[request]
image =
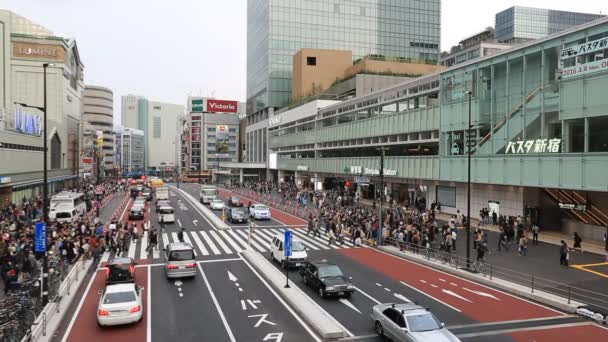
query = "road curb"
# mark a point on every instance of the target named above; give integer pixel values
(504, 285)
(324, 324)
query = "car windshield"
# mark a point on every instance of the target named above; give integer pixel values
(423, 322)
(184, 255)
(297, 246)
(166, 211)
(63, 215)
(237, 212)
(329, 271)
(119, 297)
(261, 207)
(235, 200)
(209, 192)
(216, 201)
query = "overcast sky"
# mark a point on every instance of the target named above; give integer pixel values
(165, 50)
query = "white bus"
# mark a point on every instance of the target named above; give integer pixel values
(208, 193)
(67, 206)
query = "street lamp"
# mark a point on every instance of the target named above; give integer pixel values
(470, 93)
(44, 287)
(382, 154)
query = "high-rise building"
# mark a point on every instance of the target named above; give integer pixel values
(479, 45)
(159, 122)
(98, 117)
(129, 150)
(519, 24)
(276, 30)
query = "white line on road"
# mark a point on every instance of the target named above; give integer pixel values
(220, 242)
(217, 304)
(428, 295)
(402, 297)
(199, 243)
(143, 253)
(195, 223)
(387, 289)
(149, 308)
(209, 242)
(423, 281)
(435, 286)
(165, 240)
(230, 241)
(219, 260)
(179, 223)
(443, 280)
(368, 296)
(187, 239)
(349, 304)
(453, 284)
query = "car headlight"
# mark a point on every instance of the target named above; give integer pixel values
(329, 288)
(350, 287)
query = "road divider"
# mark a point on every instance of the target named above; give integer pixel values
(322, 322)
(207, 214)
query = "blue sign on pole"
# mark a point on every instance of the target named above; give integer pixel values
(40, 238)
(288, 243)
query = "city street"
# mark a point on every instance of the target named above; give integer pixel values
(228, 300)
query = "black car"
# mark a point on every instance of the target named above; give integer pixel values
(234, 201)
(120, 270)
(236, 215)
(327, 279)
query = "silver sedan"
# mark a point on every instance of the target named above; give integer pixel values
(409, 322)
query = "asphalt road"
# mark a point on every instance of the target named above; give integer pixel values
(228, 301)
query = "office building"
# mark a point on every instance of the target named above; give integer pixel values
(519, 24)
(538, 143)
(210, 141)
(159, 122)
(98, 117)
(129, 151)
(25, 48)
(482, 44)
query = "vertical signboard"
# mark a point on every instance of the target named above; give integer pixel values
(40, 238)
(287, 249)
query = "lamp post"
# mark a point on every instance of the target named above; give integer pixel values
(470, 93)
(44, 287)
(382, 154)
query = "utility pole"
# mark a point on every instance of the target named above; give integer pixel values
(470, 93)
(382, 154)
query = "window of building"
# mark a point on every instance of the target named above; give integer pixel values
(311, 60)
(232, 130)
(156, 127)
(157, 107)
(598, 140)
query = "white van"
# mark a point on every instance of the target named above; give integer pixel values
(67, 206)
(180, 260)
(298, 251)
(167, 214)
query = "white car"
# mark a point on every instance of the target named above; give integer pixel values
(167, 214)
(120, 304)
(216, 204)
(259, 212)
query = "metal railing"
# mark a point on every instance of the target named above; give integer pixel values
(569, 293)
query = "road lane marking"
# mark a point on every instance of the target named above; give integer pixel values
(349, 304)
(454, 294)
(217, 304)
(80, 304)
(143, 253)
(179, 223)
(220, 242)
(428, 295)
(293, 313)
(209, 242)
(453, 284)
(507, 331)
(238, 239)
(387, 289)
(149, 308)
(199, 243)
(402, 297)
(165, 240)
(252, 241)
(194, 206)
(540, 319)
(219, 260)
(483, 294)
(435, 286)
(230, 241)
(312, 244)
(423, 281)
(174, 236)
(132, 247)
(105, 257)
(195, 223)
(367, 295)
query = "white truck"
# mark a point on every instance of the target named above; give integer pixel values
(207, 194)
(162, 193)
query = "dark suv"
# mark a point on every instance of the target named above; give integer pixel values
(327, 279)
(120, 270)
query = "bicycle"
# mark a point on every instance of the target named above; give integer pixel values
(479, 267)
(448, 258)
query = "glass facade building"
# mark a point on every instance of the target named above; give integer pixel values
(277, 29)
(520, 24)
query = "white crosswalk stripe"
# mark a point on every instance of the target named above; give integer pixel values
(223, 242)
(209, 242)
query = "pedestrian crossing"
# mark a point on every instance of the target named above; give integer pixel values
(208, 243)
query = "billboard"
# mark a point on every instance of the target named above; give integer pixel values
(222, 106)
(221, 132)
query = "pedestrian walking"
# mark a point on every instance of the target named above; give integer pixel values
(523, 246)
(180, 235)
(577, 242)
(564, 253)
(535, 230)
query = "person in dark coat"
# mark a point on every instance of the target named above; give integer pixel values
(564, 254)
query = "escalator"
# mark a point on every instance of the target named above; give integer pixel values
(577, 207)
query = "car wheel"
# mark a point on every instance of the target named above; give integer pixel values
(272, 256)
(379, 329)
(283, 264)
(348, 295)
(321, 292)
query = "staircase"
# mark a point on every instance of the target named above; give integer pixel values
(592, 215)
(503, 132)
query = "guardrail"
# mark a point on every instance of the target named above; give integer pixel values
(594, 300)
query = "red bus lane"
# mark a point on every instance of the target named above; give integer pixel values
(278, 215)
(582, 333)
(85, 326)
(478, 302)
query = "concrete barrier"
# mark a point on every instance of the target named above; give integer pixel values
(203, 210)
(539, 296)
(323, 323)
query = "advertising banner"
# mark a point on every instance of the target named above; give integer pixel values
(222, 106)
(584, 69)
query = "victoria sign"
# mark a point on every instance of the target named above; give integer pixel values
(222, 106)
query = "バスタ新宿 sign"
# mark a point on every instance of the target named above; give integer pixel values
(222, 106)
(581, 49)
(533, 146)
(583, 69)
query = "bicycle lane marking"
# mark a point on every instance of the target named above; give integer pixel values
(587, 333)
(472, 299)
(84, 322)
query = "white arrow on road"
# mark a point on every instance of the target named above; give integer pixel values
(402, 297)
(451, 293)
(195, 222)
(232, 277)
(178, 283)
(483, 294)
(349, 304)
